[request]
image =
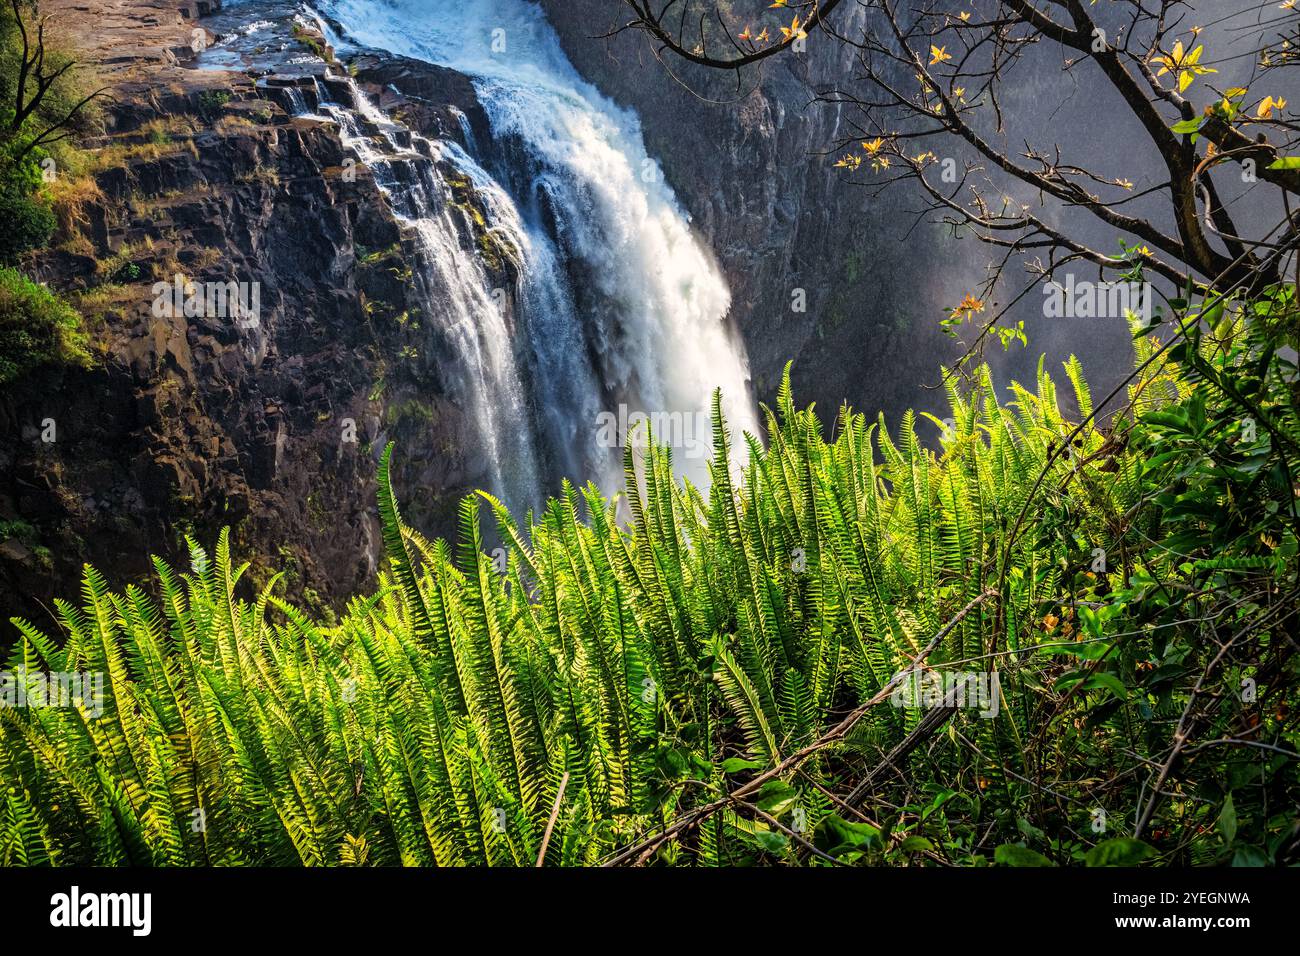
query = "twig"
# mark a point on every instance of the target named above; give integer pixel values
(934, 718)
(643, 849)
(550, 824)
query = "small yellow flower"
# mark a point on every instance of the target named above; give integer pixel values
(1124, 183)
(794, 31)
(1268, 104)
(939, 54)
(965, 14)
(968, 306)
(873, 147)
(1050, 621)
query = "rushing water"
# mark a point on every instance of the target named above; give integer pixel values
(621, 305)
(454, 288)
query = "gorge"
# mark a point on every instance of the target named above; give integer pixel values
(474, 238)
(510, 266)
(334, 335)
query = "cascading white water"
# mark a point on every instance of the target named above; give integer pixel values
(455, 288)
(567, 386)
(621, 305)
(297, 104)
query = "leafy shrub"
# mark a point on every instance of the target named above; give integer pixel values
(653, 664)
(55, 96)
(125, 274)
(36, 327)
(707, 682)
(211, 103)
(29, 221)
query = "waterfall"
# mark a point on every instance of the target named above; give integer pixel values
(455, 289)
(622, 309)
(297, 104)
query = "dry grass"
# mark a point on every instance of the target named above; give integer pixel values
(152, 141)
(78, 245)
(261, 174)
(231, 124)
(208, 258)
(150, 207)
(70, 197)
(103, 304)
(137, 253)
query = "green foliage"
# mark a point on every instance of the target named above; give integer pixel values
(36, 327)
(29, 221)
(56, 101)
(211, 103)
(314, 42)
(664, 649)
(434, 722)
(1220, 583)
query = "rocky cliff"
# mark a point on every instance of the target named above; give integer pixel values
(212, 173)
(752, 159)
(191, 420)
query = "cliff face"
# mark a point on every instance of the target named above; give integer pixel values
(753, 165)
(270, 424)
(207, 172)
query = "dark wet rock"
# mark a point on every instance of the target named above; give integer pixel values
(273, 428)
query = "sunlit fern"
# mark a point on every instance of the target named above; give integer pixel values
(434, 722)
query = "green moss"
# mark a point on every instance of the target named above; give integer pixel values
(492, 250)
(36, 328)
(853, 263)
(24, 531)
(316, 46)
(29, 536)
(370, 258)
(317, 513)
(408, 410)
